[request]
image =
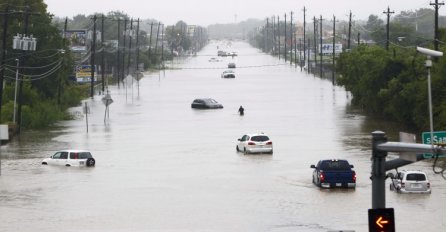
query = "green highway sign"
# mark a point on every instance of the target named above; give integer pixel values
(439, 138)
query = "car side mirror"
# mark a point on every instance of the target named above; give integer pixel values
(390, 175)
(312, 166)
(239, 139)
(351, 166)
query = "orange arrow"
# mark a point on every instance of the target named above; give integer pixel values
(380, 222)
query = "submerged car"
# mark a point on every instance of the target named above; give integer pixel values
(411, 182)
(332, 173)
(213, 59)
(255, 143)
(71, 158)
(206, 103)
(228, 74)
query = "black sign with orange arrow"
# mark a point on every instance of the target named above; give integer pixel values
(381, 220)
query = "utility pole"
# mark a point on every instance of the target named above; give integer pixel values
(284, 44)
(264, 39)
(162, 46)
(150, 42)
(436, 34)
(102, 55)
(157, 36)
(274, 35)
(359, 38)
(93, 53)
(295, 49)
(130, 47)
(278, 33)
(118, 60)
(315, 41)
(137, 46)
(267, 35)
(349, 30)
(334, 51)
(137, 56)
(173, 39)
(309, 57)
(20, 100)
(123, 52)
(304, 48)
(2, 70)
(322, 75)
(300, 52)
(388, 12)
(291, 37)
(59, 79)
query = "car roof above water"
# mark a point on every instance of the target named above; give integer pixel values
(72, 150)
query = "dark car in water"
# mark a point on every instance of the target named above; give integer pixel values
(206, 103)
(334, 173)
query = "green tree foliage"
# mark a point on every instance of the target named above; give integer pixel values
(44, 72)
(394, 86)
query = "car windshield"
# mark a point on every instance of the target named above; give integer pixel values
(259, 138)
(335, 165)
(416, 176)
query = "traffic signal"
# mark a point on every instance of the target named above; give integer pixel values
(381, 220)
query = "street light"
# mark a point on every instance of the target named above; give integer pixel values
(15, 92)
(430, 53)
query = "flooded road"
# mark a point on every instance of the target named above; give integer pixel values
(162, 166)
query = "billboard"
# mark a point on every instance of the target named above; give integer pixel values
(328, 49)
(78, 40)
(83, 73)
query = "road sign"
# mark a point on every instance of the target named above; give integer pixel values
(381, 220)
(439, 138)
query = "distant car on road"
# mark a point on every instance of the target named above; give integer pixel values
(255, 143)
(222, 53)
(213, 59)
(231, 65)
(334, 173)
(71, 158)
(228, 74)
(411, 182)
(206, 103)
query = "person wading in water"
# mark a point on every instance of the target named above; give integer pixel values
(241, 111)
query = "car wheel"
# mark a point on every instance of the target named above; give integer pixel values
(314, 182)
(236, 148)
(90, 162)
(67, 165)
(44, 163)
(245, 151)
(398, 189)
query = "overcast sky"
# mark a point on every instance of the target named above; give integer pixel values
(205, 12)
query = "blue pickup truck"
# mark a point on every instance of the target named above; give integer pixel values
(334, 173)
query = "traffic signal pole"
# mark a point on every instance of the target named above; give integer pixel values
(380, 147)
(378, 171)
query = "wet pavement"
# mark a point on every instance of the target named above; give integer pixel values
(162, 166)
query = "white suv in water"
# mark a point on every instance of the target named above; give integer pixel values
(71, 158)
(411, 182)
(255, 143)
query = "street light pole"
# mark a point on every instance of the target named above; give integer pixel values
(429, 53)
(429, 91)
(15, 92)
